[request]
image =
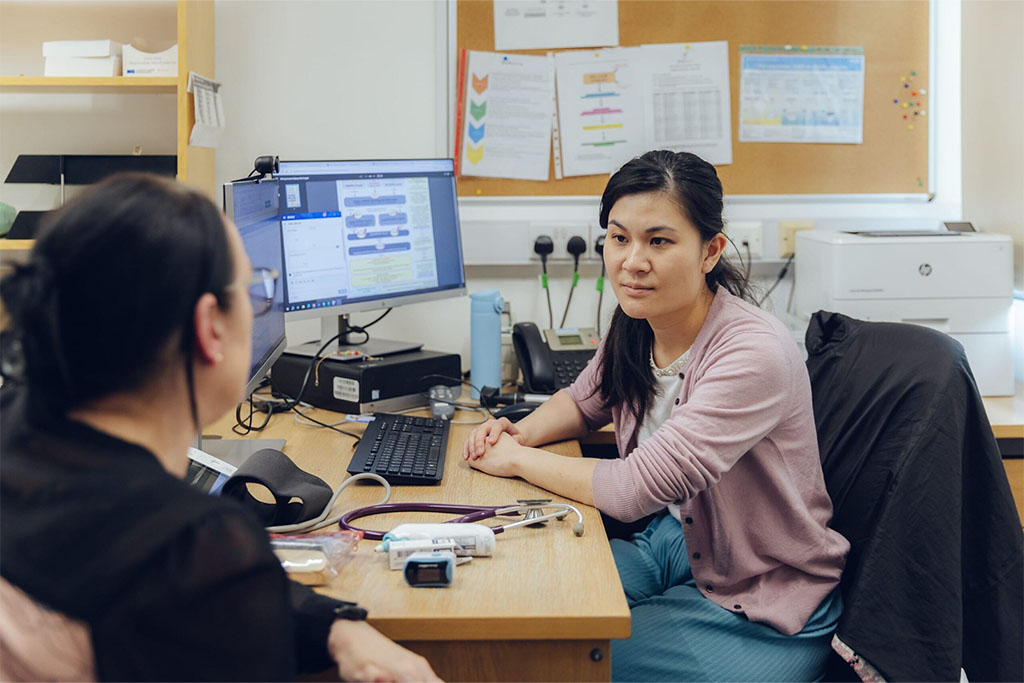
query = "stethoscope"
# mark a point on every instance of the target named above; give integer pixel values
(532, 511)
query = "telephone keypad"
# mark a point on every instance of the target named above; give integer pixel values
(568, 366)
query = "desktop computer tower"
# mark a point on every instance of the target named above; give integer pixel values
(389, 384)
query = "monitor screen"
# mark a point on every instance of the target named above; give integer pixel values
(360, 235)
(253, 206)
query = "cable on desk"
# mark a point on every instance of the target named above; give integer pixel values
(323, 520)
(244, 426)
(461, 406)
(302, 419)
(293, 407)
(483, 409)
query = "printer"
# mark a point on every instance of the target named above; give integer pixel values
(960, 283)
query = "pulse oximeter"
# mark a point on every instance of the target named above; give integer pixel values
(430, 570)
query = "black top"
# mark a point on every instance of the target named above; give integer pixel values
(173, 584)
(933, 582)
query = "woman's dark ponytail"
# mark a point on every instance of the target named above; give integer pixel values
(693, 184)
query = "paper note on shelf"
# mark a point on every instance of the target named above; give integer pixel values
(686, 94)
(209, 108)
(507, 114)
(537, 24)
(803, 96)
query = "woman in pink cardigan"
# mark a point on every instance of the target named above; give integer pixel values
(736, 576)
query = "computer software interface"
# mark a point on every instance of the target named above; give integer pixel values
(256, 214)
(357, 231)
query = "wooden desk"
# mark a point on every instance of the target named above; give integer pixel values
(1006, 414)
(542, 608)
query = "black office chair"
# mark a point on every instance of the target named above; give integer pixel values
(934, 579)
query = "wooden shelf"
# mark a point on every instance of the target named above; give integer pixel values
(161, 83)
(16, 245)
(194, 33)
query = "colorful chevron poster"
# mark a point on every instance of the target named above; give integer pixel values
(507, 116)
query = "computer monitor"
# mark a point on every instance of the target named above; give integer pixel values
(365, 235)
(253, 206)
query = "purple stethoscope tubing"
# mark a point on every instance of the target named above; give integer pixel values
(470, 514)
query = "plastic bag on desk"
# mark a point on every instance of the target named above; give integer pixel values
(314, 559)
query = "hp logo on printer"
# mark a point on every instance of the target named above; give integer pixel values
(924, 269)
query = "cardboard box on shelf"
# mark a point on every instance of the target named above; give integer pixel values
(139, 63)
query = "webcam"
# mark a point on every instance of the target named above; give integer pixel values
(265, 165)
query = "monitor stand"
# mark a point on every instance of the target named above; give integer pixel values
(343, 350)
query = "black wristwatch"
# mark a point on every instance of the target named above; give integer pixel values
(350, 611)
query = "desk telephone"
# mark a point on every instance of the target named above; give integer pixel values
(553, 361)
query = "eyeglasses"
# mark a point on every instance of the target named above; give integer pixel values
(261, 288)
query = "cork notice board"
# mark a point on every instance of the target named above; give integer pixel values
(894, 34)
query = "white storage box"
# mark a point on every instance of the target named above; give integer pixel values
(139, 63)
(82, 66)
(81, 48)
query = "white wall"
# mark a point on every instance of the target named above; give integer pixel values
(993, 113)
(354, 79)
(993, 134)
(329, 86)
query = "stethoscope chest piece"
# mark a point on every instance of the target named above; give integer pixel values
(535, 510)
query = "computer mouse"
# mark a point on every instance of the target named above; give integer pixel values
(516, 411)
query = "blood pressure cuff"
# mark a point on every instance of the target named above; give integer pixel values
(298, 496)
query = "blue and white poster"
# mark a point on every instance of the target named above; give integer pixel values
(801, 95)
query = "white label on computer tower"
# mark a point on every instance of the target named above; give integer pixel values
(346, 389)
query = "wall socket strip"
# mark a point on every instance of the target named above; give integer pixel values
(748, 236)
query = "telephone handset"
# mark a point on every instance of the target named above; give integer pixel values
(552, 361)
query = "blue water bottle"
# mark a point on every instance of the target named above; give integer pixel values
(485, 339)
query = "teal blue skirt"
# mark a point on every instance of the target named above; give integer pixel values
(678, 634)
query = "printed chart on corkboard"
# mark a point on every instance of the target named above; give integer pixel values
(883, 42)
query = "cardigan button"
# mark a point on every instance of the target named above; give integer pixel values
(677, 401)
(737, 607)
(682, 376)
(696, 556)
(709, 588)
(688, 520)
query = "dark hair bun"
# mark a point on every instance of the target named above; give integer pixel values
(26, 289)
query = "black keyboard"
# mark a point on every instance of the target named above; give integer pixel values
(403, 449)
(568, 366)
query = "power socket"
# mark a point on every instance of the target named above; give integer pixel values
(787, 235)
(559, 234)
(746, 235)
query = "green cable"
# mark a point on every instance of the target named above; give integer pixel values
(575, 278)
(544, 280)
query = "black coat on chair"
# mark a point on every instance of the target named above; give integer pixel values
(934, 579)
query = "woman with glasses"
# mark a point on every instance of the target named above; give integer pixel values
(127, 331)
